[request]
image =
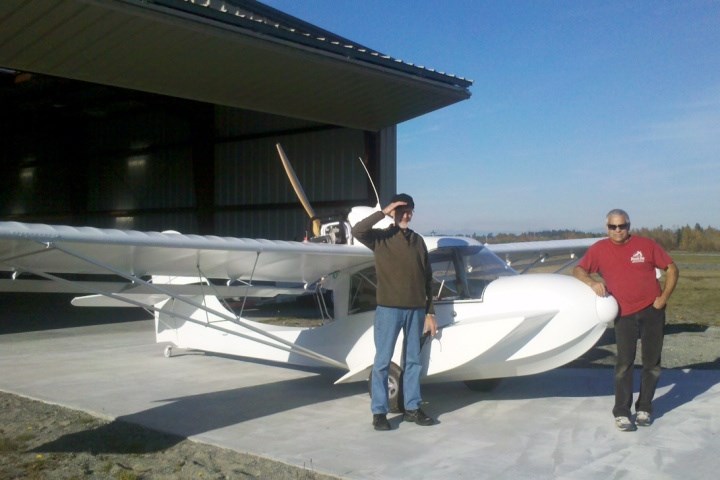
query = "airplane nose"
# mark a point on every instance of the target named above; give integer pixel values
(607, 308)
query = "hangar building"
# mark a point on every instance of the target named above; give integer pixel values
(165, 114)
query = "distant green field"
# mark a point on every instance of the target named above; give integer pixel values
(685, 258)
(697, 296)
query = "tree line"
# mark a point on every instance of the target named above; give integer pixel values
(687, 238)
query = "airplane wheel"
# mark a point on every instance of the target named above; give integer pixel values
(168, 351)
(484, 385)
(395, 395)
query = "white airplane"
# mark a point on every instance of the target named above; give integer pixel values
(493, 322)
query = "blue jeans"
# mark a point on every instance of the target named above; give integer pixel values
(648, 326)
(388, 323)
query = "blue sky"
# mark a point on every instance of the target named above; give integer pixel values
(577, 107)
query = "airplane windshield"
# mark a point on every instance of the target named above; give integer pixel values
(463, 272)
(459, 272)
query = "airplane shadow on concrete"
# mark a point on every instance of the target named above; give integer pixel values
(175, 419)
(197, 414)
(30, 312)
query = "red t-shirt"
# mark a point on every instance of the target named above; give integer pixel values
(628, 270)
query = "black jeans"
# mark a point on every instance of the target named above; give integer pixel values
(648, 325)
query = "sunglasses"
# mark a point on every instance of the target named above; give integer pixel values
(622, 226)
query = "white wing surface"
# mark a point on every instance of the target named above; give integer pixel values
(550, 252)
(87, 250)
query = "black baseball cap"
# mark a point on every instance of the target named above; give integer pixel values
(403, 197)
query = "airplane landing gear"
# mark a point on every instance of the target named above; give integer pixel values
(395, 395)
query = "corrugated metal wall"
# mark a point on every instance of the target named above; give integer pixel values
(138, 169)
(135, 170)
(254, 196)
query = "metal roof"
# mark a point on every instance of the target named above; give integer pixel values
(239, 53)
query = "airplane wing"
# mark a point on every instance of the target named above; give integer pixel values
(523, 256)
(64, 254)
(38, 249)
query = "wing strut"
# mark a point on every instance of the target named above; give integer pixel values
(286, 345)
(247, 284)
(573, 259)
(540, 259)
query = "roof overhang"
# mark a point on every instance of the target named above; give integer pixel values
(180, 49)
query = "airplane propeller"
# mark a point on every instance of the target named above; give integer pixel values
(299, 190)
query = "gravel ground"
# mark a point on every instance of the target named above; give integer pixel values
(685, 346)
(44, 441)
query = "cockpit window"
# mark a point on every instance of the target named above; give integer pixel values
(362, 291)
(463, 272)
(459, 272)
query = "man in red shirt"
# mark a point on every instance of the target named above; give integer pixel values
(627, 266)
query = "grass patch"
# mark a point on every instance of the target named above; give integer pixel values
(697, 296)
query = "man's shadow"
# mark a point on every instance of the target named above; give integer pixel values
(686, 385)
(687, 381)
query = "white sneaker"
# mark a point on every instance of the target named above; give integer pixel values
(624, 424)
(643, 419)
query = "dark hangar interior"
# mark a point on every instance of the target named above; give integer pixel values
(165, 114)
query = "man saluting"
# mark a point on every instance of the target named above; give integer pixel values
(404, 302)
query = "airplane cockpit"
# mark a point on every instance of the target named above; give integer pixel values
(461, 272)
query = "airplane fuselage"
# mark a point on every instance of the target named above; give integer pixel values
(493, 322)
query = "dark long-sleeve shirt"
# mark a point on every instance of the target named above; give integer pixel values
(401, 261)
